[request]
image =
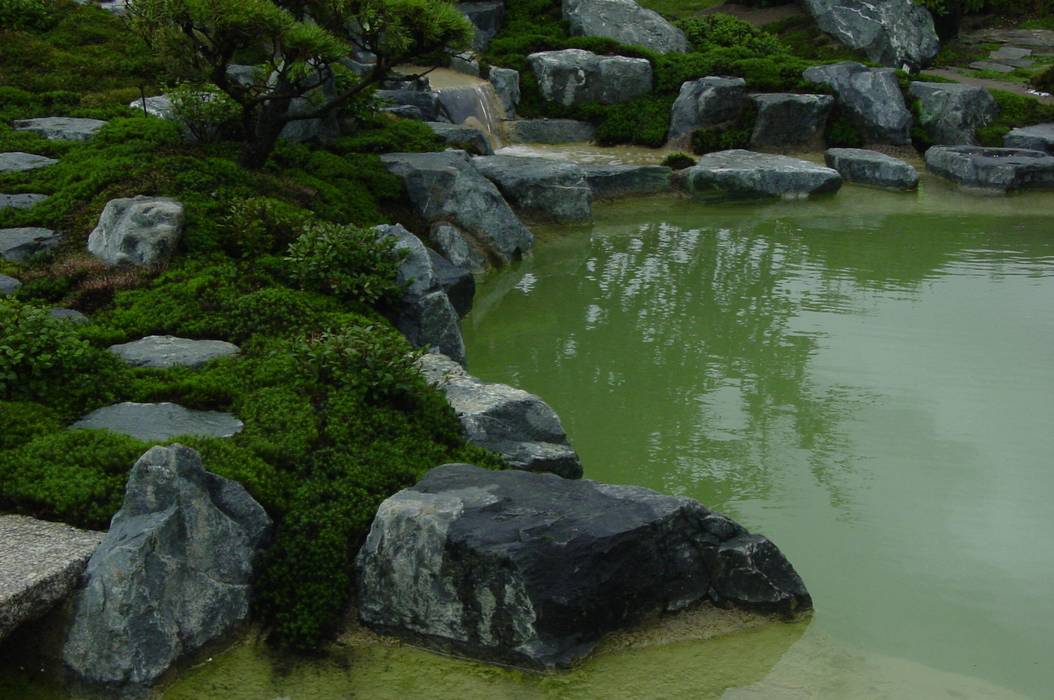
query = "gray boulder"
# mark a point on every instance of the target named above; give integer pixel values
(993, 168)
(896, 33)
(19, 244)
(457, 248)
(164, 351)
(446, 188)
(60, 128)
(458, 282)
(549, 131)
(462, 137)
(573, 77)
(466, 63)
(539, 188)
(517, 425)
(871, 97)
(155, 422)
(486, 17)
(533, 570)
(626, 22)
(746, 173)
(20, 201)
(137, 230)
(872, 168)
(159, 106)
(8, 285)
(951, 113)
(71, 315)
(706, 103)
(612, 181)
(506, 82)
(40, 564)
(423, 102)
(787, 120)
(17, 162)
(172, 574)
(1037, 138)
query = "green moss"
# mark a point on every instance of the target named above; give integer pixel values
(1014, 111)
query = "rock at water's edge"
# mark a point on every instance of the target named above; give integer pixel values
(871, 97)
(540, 188)
(739, 172)
(993, 168)
(872, 168)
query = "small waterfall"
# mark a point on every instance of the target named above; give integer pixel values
(477, 105)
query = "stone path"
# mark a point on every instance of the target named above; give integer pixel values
(20, 244)
(958, 76)
(60, 128)
(160, 421)
(163, 351)
(40, 563)
(20, 201)
(16, 162)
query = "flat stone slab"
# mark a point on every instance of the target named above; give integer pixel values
(40, 564)
(739, 172)
(8, 285)
(872, 168)
(18, 244)
(610, 181)
(540, 188)
(20, 201)
(993, 168)
(160, 421)
(16, 162)
(71, 315)
(549, 131)
(992, 66)
(1037, 138)
(61, 128)
(163, 351)
(1009, 52)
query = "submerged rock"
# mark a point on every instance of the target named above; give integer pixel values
(747, 173)
(871, 97)
(539, 188)
(533, 570)
(787, 120)
(896, 33)
(517, 425)
(137, 230)
(993, 168)
(706, 103)
(160, 421)
(550, 131)
(20, 201)
(17, 162)
(164, 351)
(60, 128)
(872, 168)
(1037, 138)
(626, 22)
(462, 137)
(172, 574)
(572, 77)
(19, 244)
(612, 181)
(951, 113)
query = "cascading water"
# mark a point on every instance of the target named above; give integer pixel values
(468, 100)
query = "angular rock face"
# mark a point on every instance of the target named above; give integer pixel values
(872, 98)
(517, 425)
(993, 168)
(20, 201)
(1037, 138)
(747, 173)
(896, 33)
(446, 188)
(16, 162)
(706, 103)
(425, 315)
(611, 181)
(137, 230)
(458, 282)
(552, 131)
(872, 168)
(786, 120)
(506, 82)
(18, 244)
(455, 246)
(40, 564)
(539, 188)
(626, 22)
(163, 351)
(8, 285)
(533, 570)
(172, 574)
(487, 17)
(60, 128)
(573, 77)
(160, 421)
(951, 113)
(462, 137)
(419, 104)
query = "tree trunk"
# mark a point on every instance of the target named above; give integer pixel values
(259, 144)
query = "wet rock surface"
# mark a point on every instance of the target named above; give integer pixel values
(539, 188)
(137, 230)
(872, 168)
(746, 173)
(572, 77)
(17, 162)
(164, 351)
(951, 113)
(706, 103)
(872, 98)
(532, 569)
(462, 137)
(1037, 138)
(624, 21)
(458, 282)
(506, 82)
(486, 17)
(895, 33)
(612, 181)
(19, 244)
(160, 421)
(60, 128)
(550, 131)
(993, 168)
(456, 247)
(786, 120)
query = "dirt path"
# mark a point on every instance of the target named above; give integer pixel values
(988, 83)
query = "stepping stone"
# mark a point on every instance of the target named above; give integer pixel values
(19, 244)
(71, 315)
(8, 285)
(20, 201)
(746, 173)
(16, 162)
(993, 168)
(872, 168)
(1004, 53)
(160, 421)
(163, 351)
(1038, 138)
(40, 564)
(992, 66)
(60, 128)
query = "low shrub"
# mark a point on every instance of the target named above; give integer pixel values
(32, 15)
(1014, 111)
(721, 30)
(678, 161)
(348, 262)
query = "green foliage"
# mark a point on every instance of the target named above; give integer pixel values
(643, 121)
(34, 15)
(1044, 81)
(205, 110)
(729, 136)
(386, 135)
(1014, 111)
(804, 40)
(21, 421)
(348, 262)
(678, 161)
(842, 131)
(720, 30)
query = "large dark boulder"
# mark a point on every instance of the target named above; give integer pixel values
(550, 131)
(541, 189)
(993, 168)
(951, 113)
(613, 181)
(896, 33)
(412, 103)
(573, 77)
(172, 574)
(458, 282)
(462, 137)
(786, 120)
(871, 97)
(746, 173)
(532, 569)
(872, 168)
(506, 82)
(486, 17)
(705, 103)
(1037, 138)
(624, 21)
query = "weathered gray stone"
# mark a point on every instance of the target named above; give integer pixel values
(992, 66)
(611, 181)
(17, 162)
(993, 168)
(895, 33)
(458, 282)
(457, 248)
(786, 120)
(872, 168)
(540, 188)
(71, 315)
(466, 63)
(137, 230)
(517, 425)
(1037, 138)
(159, 106)
(426, 103)
(172, 574)
(160, 421)
(747, 173)
(40, 564)
(532, 569)
(626, 22)
(486, 17)
(163, 351)
(8, 285)
(18, 244)
(549, 131)
(465, 138)
(573, 77)
(871, 97)
(20, 201)
(446, 188)
(1011, 53)
(704, 104)
(506, 82)
(951, 113)
(60, 128)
